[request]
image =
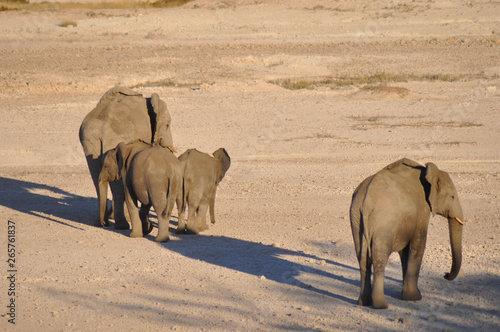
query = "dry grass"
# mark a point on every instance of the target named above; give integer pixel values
(124, 4)
(370, 80)
(393, 122)
(317, 136)
(168, 83)
(69, 24)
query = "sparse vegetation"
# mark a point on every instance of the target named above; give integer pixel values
(69, 24)
(367, 81)
(275, 64)
(386, 121)
(168, 83)
(317, 136)
(25, 4)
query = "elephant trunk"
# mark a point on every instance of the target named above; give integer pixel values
(103, 202)
(455, 226)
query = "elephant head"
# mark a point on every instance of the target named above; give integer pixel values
(443, 200)
(223, 163)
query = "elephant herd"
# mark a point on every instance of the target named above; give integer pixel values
(128, 145)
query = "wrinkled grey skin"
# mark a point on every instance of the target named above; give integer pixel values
(201, 176)
(151, 175)
(390, 212)
(122, 115)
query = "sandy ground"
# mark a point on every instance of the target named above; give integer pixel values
(280, 256)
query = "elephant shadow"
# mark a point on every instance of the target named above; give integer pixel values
(45, 201)
(260, 260)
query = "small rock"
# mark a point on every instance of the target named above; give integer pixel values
(402, 320)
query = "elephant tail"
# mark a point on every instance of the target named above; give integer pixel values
(182, 196)
(366, 239)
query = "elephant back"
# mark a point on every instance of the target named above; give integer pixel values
(117, 93)
(120, 116)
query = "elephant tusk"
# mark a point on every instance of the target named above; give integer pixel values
(459, 221)
(171, 148)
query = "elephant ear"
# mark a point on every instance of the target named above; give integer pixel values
(159, 117)
(223, 163)
(432, 176)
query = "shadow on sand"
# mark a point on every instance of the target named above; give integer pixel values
(265, 261)
(45, 201)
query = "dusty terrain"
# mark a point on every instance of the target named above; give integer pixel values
(425, 85)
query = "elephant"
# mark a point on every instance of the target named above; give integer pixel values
(390, 212)
(202, 174)
(150, 174)
(121, 115)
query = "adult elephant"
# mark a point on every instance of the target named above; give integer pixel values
(390, 212)
(122, 115)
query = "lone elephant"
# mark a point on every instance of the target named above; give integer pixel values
(390, 212)
(122, 115)
(150, 175)
(202, 174)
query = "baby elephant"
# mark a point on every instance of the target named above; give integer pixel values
(151, 175)
(390, 212)
(202, 174)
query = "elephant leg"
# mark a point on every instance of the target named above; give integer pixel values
(181, 223)
(191, 220)
(111, 210)
(365, 268)
(117, 189)
(94, 166)
(147, 227)
(380, 256)
(403, 255)
(410, 277)
(201, 218)
(212, 207)
(164, 221)
(133, 210)
(193, 208)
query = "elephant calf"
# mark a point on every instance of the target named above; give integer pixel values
(201, 175)
(390, 212)
(151, 175)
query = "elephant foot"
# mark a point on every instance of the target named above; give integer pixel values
(136, 234)
(122, 225)
(362, 301)
(196, 230)
(380, 303)
(411, 295)
(162, 238)
(111, 212)
(147, 228)
(101, 224)
(193, 230)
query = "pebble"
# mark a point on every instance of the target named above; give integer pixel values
(403, 320)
